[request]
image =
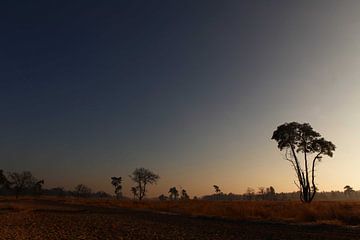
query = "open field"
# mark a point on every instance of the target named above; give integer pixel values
(48, 218)
(324, 212)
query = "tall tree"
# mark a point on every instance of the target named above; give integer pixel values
(142, 178)
(297, 139)
(117, 183)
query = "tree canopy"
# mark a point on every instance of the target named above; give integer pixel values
(142, 177)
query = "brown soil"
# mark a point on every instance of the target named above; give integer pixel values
(42, 219)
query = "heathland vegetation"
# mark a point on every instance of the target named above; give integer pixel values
(293, 138)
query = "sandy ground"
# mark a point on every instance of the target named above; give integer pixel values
(31, 219)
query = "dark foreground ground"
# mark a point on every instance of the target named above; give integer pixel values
(31, 219)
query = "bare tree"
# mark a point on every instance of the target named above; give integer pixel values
(116, 182)
(21, 181)
(142, 177)
(174, 194)
(296, 138)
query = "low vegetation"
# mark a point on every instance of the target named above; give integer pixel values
(320, 212)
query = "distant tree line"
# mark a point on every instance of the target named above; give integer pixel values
(24, 184)
(262, 194)
(174, 194)
(14, 183)
(269, 194)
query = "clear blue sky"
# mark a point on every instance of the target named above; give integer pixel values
(189, 89)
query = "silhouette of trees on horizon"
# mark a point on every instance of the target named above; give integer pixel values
(296, 138)
(20, 182)
(34, 188)
(117, 183)
(348, 190)
(184, 195)
(82, 190)
(250, 193)
(142, 177)
(173, 193)
(217, 189)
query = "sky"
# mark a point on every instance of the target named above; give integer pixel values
(189, 89)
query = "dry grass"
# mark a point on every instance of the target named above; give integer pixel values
(71, 218)
(328, 212)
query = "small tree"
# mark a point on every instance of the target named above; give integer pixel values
(174, 194)
(184, 195)
(217, 189)
(21, 181)
(296, 139)
(142, 177)
(116, 182)
(270, 193)
(348, 190)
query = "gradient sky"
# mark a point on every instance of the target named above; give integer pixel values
(189, 89)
